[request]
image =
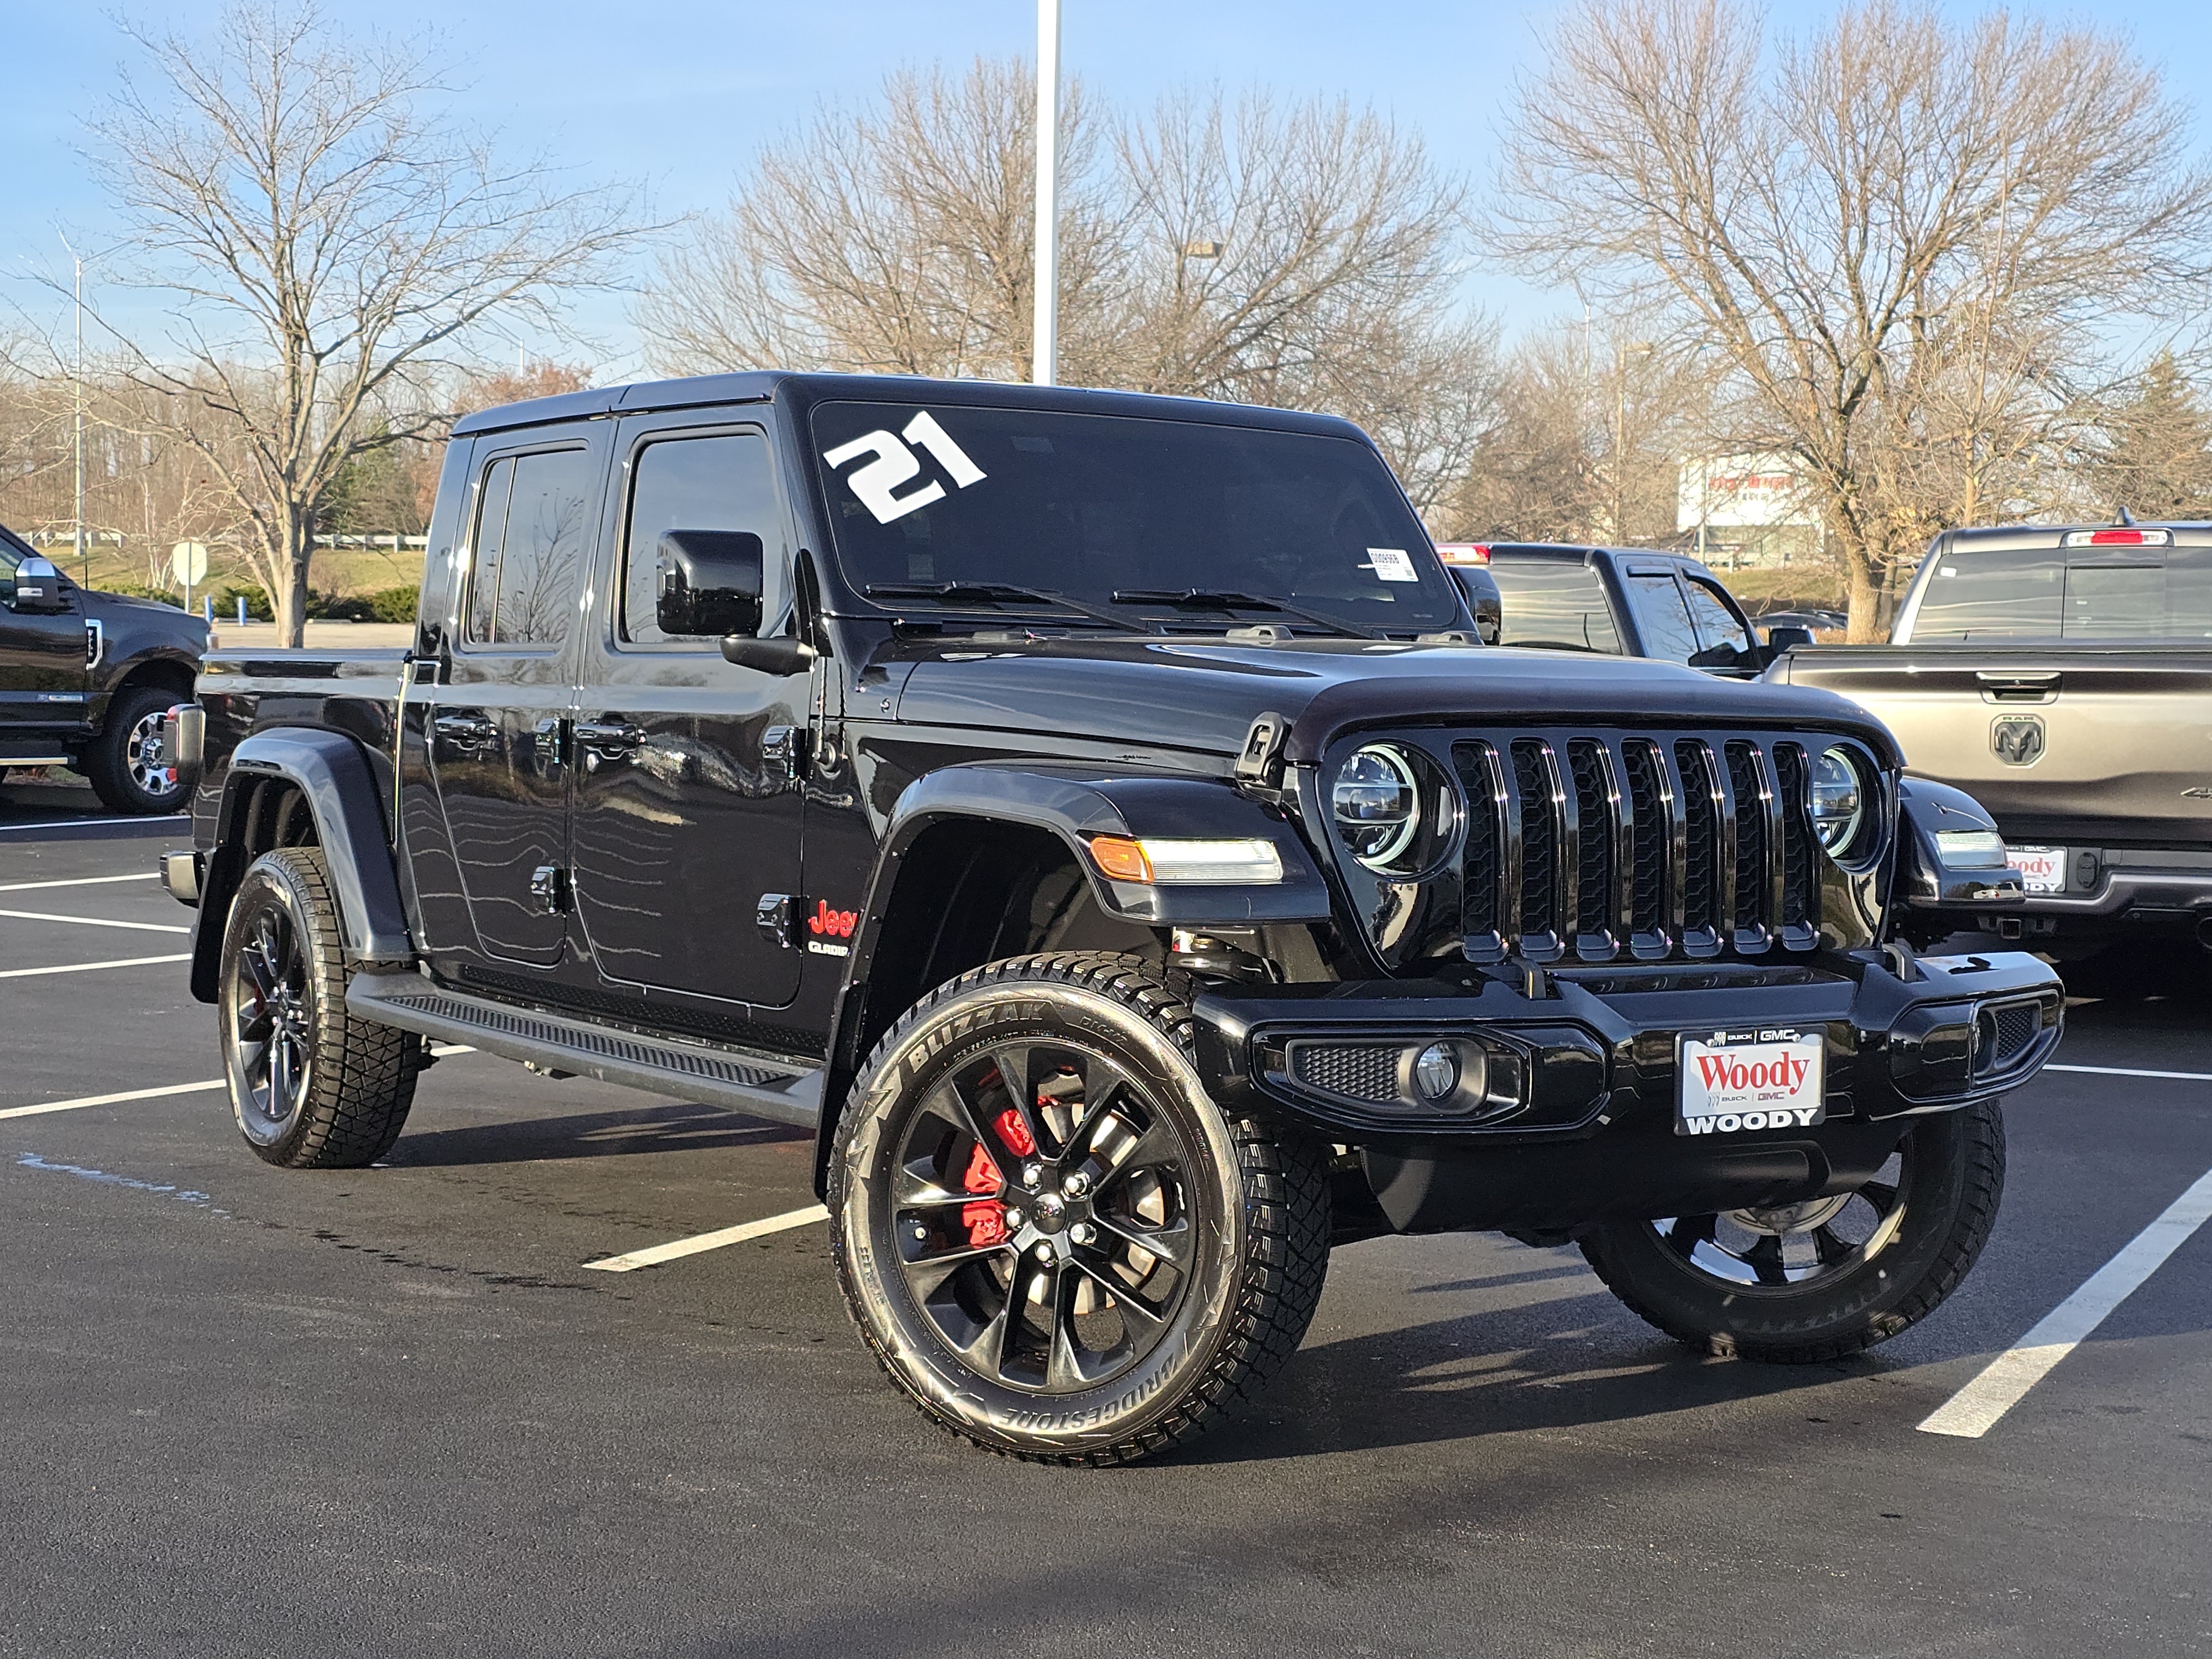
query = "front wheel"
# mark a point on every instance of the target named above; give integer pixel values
(1048, 1233)
(1828, 1277)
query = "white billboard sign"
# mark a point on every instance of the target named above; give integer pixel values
(1742, 492)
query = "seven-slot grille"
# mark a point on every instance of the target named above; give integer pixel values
(1597, 847)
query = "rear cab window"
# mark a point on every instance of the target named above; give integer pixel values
(2060, 592)
(1554, 605)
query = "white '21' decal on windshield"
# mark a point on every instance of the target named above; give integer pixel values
(896, 464)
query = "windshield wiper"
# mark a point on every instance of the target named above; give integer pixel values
(1203, 598)
(999, 593)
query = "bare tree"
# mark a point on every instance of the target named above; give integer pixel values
(1305, 255)
(325, 242)
(1908, 241)
(893, 240)
(2157, 459)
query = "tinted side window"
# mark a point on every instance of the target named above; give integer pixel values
(1716, 623)
(1663, 619)
(1557, 606)
(531, 536)
(483, 568)
(723, 482)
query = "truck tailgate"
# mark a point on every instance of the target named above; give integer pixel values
(2091, 741)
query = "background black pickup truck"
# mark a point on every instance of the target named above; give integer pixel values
(1095, 815)
(86, 678)
(1621, 601)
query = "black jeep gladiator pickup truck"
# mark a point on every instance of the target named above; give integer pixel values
(1094, 815)
(87, 678)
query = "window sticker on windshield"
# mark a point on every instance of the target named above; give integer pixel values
(1392, 564)
(877, 483)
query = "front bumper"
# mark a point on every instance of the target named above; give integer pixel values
(1577, 1118)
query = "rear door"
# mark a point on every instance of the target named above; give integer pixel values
(498, 720)
(687, 792)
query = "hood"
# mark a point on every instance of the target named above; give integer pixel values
(1204, 693)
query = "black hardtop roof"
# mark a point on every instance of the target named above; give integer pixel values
(761, 385)
(2007, 537)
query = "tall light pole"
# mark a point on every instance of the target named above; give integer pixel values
(1044, 339)
(1638, 349)
(77, 384)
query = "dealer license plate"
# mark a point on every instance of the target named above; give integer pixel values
(1766, 1078)
(2042, 869)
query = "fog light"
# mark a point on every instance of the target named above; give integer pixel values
(1436, 1071)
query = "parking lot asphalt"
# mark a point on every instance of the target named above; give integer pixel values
(390, 1411)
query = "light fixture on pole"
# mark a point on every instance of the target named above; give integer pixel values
(1045, 342)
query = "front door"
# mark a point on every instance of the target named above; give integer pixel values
(42, 659)
(498, 719)
(688, 791)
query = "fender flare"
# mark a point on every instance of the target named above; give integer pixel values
(1926, 879)
(1075, 803)
(333, 777)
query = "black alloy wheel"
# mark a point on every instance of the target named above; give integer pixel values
(1828, 1276)
(271, 1024)
(312, 1086)
(1041, 1212)
(1053, 1239)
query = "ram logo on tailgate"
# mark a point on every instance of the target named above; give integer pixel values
(2017, 739)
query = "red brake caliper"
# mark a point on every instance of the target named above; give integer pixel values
(985, 1219)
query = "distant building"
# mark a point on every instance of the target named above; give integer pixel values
(1746, 510)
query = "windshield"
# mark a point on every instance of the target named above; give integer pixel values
(1168, 518)
(2083, 594)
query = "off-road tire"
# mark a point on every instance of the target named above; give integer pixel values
(106, 760)
(1247, 1302)
(360, 1079)
(1950, 1198)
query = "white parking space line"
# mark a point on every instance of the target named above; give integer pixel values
(77, 881)
(677, 1249)
(2130, 1070)
(43, 1107)
(84, 824)
(88, 967)
(97, 922)
(2005, 1381)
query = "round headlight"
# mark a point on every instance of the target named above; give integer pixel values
(1377, 805)
(1836, 799)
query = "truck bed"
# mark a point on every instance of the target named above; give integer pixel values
(2124, 753)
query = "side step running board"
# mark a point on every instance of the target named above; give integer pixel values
(762, 1087)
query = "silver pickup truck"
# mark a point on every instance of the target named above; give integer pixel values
(2061, 676)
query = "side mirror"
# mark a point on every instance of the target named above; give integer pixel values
(773, 656)
(710, 582)
(38, 590)
(1782, 638)
(1479, 588)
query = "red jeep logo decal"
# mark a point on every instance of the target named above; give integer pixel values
(836, 924)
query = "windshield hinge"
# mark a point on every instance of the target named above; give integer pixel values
(1260, 764)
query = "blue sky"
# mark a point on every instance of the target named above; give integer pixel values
(676, 94)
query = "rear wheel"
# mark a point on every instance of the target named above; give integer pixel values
(1828, 1277)
(1051, 1236)
(124, 761)
(312, 1086)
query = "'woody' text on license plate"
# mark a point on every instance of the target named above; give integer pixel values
(1764, 1078)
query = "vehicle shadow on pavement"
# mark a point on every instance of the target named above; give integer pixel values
(1568, 1362)
(671, 1128)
